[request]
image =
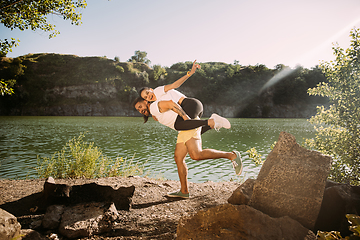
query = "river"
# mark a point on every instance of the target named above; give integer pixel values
(22, 139)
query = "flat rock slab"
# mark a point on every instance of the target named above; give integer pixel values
(63, 194)
(232, 222)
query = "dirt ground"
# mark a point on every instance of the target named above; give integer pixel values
(152, 215)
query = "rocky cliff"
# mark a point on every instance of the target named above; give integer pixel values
(101, 99)
(67, 85)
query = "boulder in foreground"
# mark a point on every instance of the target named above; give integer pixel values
(240, 222)
(9, 226)
(84, 220)
(291, 182)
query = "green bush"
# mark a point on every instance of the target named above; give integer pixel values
(180, 66)
(120, 69)
(337, 126)
(79, 159)
(256, 157)
(354, 220)
(157, 72)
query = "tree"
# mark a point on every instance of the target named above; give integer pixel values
(140, 57)
(32, 14)
(6, 46)
(158, 71)
(338, 126)
(11, 69)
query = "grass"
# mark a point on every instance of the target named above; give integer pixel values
(79, 159)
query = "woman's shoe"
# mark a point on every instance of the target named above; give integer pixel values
(220, 122)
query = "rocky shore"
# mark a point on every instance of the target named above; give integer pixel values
(152, 215)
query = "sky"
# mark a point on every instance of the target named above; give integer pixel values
(289, 32)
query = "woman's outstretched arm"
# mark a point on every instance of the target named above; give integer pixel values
(181, 80)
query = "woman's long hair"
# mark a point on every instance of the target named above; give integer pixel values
(142, 89)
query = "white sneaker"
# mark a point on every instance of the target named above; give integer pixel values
(220, 122)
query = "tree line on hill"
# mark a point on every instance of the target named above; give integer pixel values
(34, 75)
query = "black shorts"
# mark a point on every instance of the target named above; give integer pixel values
(193, 108)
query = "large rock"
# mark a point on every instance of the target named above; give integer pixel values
(291, 182)
(339, 200)
(243, 193)
(9, 226)
(240, 222)
(84, 220)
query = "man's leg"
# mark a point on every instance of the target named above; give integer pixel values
(180, 154)
(194, 147)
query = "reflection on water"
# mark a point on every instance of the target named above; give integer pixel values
(23, 138)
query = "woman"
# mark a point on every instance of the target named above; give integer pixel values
(191, 106)
(152, 95)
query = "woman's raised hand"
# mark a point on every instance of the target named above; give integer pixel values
(194, 67)
(181, 80)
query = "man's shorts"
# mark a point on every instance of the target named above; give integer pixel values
(184, 136)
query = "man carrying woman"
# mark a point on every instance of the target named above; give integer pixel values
(171, 108)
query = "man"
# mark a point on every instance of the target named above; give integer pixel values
(188, 141)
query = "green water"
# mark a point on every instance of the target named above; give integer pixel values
(23, 138)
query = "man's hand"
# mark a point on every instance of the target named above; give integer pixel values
(171, 105)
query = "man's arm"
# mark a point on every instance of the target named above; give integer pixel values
(173, 106)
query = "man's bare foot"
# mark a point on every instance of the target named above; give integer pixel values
(233, 156)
